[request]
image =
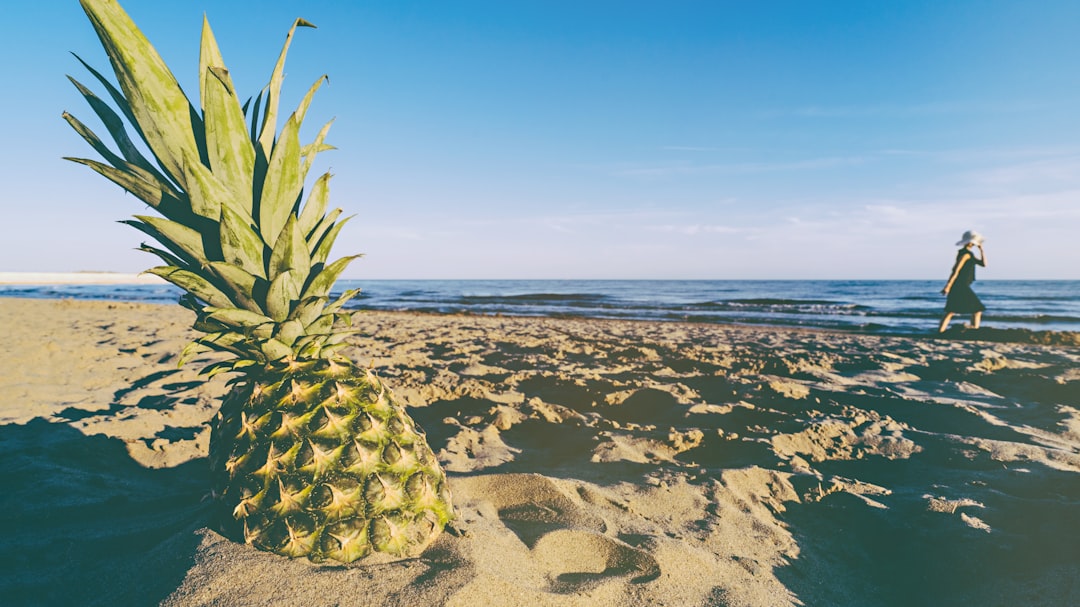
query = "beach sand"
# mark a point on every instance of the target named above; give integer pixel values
(593, 463)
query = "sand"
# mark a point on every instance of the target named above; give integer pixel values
(597, 463)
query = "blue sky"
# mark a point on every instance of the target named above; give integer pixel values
(610, 139)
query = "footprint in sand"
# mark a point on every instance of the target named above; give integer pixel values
(576, 559)
(566, 540)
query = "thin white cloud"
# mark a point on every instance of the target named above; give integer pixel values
(917, 109)
(696, 229)
(560, 226)
(999, 154)
(1037, 173)
(909, 233)
(809, 164)
(696, 148)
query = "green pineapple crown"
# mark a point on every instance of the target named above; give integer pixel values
(234, 230)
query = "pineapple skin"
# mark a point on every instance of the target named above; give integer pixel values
(317, 459)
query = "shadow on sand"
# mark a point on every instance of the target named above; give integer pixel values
(84, 524)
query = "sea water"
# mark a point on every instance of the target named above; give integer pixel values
(886, 306)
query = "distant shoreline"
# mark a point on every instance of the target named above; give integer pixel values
(77, 278)
(122, 278)
(1026, 311)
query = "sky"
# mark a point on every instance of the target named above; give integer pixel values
(607, 138)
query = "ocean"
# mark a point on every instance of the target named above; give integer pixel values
(889, 306)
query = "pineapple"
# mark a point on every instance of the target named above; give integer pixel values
(311, 455)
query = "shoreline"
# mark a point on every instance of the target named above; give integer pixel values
(592, 463)
(1021, 312)
(78, 278)
(958, 332)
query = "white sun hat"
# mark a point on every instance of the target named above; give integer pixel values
(970, 236)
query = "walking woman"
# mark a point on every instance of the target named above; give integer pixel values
(961, 299)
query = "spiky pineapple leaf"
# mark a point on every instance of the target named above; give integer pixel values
(178, 235)
(223, 366)
(339, 336)
(321, 284)
(320, 230)
(154, 97)
(323, 325)
(310, 151)
(241, 286)
(290, 251)
(263, 331)
(186, 260)
(273, 349)
(283, 291)
(150, 193)
(206, 192)
(283, 183)
(149, 185)
(208, 325)
(234, 235)
(226, 366)
(95, 142)
(115, 95)
(322, 251)
(236, 317)
(315, 206)
(190, 351)
(115, 126)
(253, 117)
(225, 341)
(289, 331)
(194, 284)
(309, 346)
(331, 350)
(342, 299)
(273, 93)
(315, 148)
(308, 309)
(229, 148)
(165, 256)
(240, 244)
(190, 302)
(305, 102)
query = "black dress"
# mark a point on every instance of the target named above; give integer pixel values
(962, 300)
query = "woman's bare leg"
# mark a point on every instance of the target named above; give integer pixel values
(976, 318)
(945, 322)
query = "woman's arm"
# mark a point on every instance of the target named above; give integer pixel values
(955, 272)
(982, 257)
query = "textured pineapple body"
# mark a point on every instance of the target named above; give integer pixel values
(315, 458)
